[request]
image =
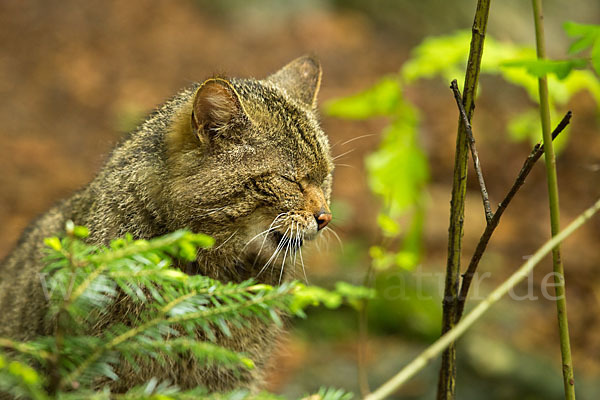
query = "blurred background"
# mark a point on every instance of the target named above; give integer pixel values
(75, 76)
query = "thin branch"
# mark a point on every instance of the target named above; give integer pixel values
(559, 273)
(447, 375)
(535, 155)
(474, 154)
(25, 348)
(388, 388)
(363, 337)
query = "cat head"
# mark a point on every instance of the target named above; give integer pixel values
(250, 165)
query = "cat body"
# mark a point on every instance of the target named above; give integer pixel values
(242, 160)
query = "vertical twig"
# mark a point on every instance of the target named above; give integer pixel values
(363, 337)
(447, 375)
(417, 364)
(561, 301)
(474, 154)
(535, 155)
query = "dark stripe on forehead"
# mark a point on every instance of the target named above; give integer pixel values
(294, 118)
(301, 121)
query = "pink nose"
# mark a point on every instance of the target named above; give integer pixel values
(323, 218)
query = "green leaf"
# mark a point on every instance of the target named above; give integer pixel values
(574, 29)
(388, 225)
(81, 232)
(540, 68)
(20, 380)
(382, 259)
(581, 44)
(187, 251)
(596, 56)
(406, 259)
(305, 296)
(201, 240)
(589, 36)
(331, 394)
(351, 292)
(398, 169)
(383, 99)
(174, 274)
(527, 126)
(53, 243)
(443, 56)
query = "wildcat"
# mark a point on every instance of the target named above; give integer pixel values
(242, 160)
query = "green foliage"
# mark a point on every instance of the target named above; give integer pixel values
(20, 379)
(84, 283)
(588, 36)
(398, 169)
(446, 57)
(383, 99)
(408, 302)
(540, 68)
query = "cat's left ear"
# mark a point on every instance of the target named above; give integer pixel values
(300, 79)
(216, 107)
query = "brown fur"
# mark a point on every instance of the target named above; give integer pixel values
(225, 157)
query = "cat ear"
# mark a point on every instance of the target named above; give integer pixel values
(216, 107)
(300, 79)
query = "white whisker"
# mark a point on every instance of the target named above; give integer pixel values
(302, 262)
(356, 138)
(226, 240)
(268, 230)
(318, 244)
(344, 165)
(287, 247)
(266, 236)
(212, 210)
(328, 229)
(297, 246)
(342, 155)
(274, 255)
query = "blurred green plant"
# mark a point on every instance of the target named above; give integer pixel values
(446, 57)
(82, 282)
(398, 170)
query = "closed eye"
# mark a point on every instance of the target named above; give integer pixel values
(287, 178)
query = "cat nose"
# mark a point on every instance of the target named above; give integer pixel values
(323, 218)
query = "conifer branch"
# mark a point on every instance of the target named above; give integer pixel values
(25, 348)
(175, 314)
(207, 315)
